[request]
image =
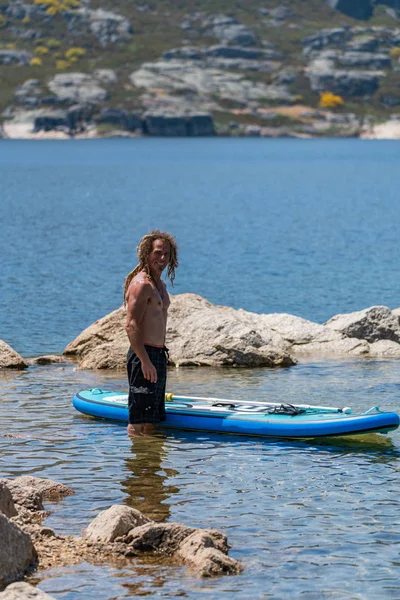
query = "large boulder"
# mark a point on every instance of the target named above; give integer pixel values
(24, 591)
(198, 333)
(9, 359)
(371, 324)
(358, 9)
(106, 26)
(17, 553)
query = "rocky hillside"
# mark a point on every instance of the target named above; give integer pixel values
(199, 67)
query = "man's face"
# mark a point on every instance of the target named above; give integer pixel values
(159, 257)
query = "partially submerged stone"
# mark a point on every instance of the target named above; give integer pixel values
(204, 551)
(9, 359)
(17, 553)
(371, 324)
(114, 522)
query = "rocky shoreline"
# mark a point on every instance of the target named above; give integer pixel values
(116, 535)
(200, 333)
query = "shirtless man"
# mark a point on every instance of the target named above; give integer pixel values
(147, 301)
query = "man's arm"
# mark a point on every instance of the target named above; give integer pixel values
(139, 293)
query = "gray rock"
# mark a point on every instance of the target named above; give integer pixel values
(77, 87)
(327, 37)
(364, 44)
(199, 333)
(7, 506)
(30, 491)
(9, 359)
(24, 591)
(185, 53)
(17, 553)
(52, 121)
(15, 57)
(364, 59)
(221, 51)
(114, 522)
(358, 9)
(239, 35)
(349, 83)
(106, 76)
(188, 76)
(384, 349)
(106, 26)
(371, 324)
(206, 555)
(120, 118)
(281, 13)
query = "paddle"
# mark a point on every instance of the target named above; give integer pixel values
(242, 403)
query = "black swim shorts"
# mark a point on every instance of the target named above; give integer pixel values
(146, 400)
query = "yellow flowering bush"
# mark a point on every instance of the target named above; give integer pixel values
(36, 62)
(3, 21)
(74, 54)
(330, 100)
(395, 53)
(52, 43)
(41, 50)
(26, 20)
(11, 46)
(62, 64)
(55, 7)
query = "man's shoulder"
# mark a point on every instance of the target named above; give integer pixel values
(140, 284)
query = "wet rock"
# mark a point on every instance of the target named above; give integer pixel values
(29, 492)
(7, 506)
(371, 324)
(49, 359)
(52, 121)
(164, 124)
(17, 553)
(120, 118)
(114, 522)
(164, 538)
(23, 591)
(9, 359)
(206, 556)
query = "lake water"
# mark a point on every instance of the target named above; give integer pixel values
(305, 227)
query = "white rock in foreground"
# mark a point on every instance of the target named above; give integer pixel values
(24, 591)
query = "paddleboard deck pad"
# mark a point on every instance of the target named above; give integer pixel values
(245, 418)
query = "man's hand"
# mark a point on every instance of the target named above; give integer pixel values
(149, 371)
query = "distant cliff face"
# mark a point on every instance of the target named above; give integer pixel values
(194, 68)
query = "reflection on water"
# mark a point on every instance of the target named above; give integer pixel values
(147, 485)
(308, 518)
